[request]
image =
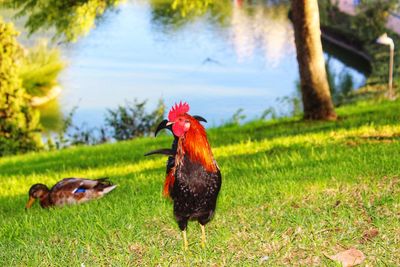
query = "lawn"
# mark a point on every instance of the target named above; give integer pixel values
(293, 192)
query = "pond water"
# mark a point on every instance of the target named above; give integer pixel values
(246, 61)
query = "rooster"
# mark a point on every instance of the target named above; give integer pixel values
(194, 180)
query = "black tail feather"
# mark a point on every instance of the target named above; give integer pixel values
(162, 151)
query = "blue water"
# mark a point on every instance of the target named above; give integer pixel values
(249, 63)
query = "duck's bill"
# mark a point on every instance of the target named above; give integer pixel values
(162, 151)
(30, 202)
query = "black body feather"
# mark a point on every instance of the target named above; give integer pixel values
(194, 192)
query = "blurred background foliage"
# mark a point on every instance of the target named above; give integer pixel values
(132, 120)
(361, 32)
(174, 14)
(365, 26)
(40, 68)
(70, 19)
(19, 123)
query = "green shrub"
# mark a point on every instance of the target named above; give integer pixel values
(40, 68)
(370, 22)
(237, 118)
(132, 120)
(361, 31)
(69, 19)
(18, 122)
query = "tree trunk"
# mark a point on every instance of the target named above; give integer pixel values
(315, 92)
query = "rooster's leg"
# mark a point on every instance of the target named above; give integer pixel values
(182, 222)
(185, 242)
(203, 235)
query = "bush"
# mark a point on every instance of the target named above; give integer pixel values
(40, 69)
(361, 31)
(236, 118)
(132, 120)
(69, 19)
(18, 122)
(370, 22)
(123, 123)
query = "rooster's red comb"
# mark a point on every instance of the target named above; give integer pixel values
(177, 110)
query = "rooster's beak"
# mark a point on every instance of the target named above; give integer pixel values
(170, 123)
(162, 125)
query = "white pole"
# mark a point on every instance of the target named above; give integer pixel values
(390, 90)
(386, 40)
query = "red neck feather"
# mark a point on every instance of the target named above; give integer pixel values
(196, 145)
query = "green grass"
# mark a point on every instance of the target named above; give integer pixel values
(293, 191)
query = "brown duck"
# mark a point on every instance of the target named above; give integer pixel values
(69, 191)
